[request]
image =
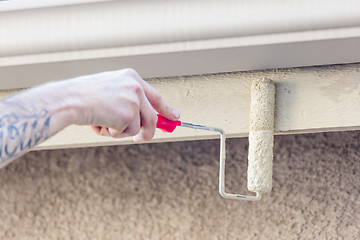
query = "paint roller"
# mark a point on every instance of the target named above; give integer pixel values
(261, 135)
(261, 140)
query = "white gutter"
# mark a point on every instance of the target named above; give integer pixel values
(169, 38)
(15, 5)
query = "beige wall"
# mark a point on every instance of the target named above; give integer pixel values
(169, 191)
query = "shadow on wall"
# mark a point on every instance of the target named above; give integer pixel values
(170, 191)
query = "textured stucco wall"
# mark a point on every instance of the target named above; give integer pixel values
(169, 191)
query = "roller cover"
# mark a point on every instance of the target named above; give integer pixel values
(261, 135)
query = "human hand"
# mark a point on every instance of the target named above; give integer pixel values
(119, 104)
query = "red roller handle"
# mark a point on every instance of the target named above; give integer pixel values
(166, 125)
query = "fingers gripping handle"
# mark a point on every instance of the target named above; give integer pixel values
(166, 125)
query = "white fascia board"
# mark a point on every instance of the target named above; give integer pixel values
(311, 99)
(43, 42)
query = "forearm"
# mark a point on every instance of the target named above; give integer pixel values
(30, 117)
(119, 104)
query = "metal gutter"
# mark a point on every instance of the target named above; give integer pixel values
(42, 42)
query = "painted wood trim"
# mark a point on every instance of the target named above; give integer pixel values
(198, 37)
(313, 99)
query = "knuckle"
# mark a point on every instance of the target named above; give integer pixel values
(133, 131)
(135, 87)
(157, 99)
(127, 117)
(149, 132)
(146, 136)
(134, 105)
(131, 72)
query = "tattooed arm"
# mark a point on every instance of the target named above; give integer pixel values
(29, 118)
(117, 104)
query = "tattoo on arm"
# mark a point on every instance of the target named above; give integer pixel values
(19, 133)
